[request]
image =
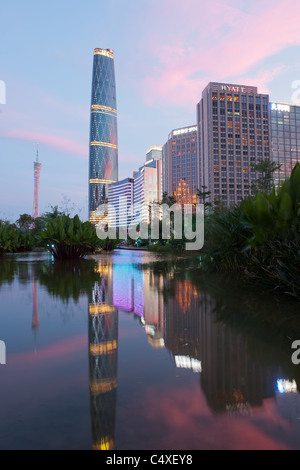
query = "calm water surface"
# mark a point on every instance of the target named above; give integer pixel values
(129, 351)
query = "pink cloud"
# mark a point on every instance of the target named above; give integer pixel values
(60, 143)
(216, 42)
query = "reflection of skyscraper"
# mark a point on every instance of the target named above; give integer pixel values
(103, 355)
(35, 314)
(230, 378)
(37, 171)
(103, 159)
(154, 308)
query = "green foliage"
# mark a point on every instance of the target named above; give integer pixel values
(24, 222)
(108, 244)
(261, 237)
(227, 238)
(266, 169)
(7, 239)
(68, 280)
(69, 238)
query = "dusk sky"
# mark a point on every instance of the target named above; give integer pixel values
(166, 51)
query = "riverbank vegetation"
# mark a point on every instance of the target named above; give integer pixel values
(260, 237)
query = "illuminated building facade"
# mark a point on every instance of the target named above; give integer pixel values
(154, 153)
(120, 195)
(285, 138)
(180, 165)
(132, 197)
(37, 172)
(103, 155)
(147, 189)
(234, 132)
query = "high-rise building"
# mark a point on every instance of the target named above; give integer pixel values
(37, 171)
(285, 138)
(120, 196)
(133, 197)
(180, 165)
(103, 155)
(147, 189)
(234, 132)
(154, 153)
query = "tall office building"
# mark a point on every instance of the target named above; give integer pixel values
(180, 165)
(120, 196)
(133, 197)
(285, 139)
(103, 156)
(147, 189)
(154, 153)
(234, 132)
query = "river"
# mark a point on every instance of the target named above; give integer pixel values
(132, 350)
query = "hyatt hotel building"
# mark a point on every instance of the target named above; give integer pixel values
(233, 132)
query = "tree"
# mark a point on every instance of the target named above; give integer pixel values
(24, 222)
(166, 199)
(265, 182)
(204, 198)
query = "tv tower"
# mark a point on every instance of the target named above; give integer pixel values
(37, 171)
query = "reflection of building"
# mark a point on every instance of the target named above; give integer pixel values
(180, 165)
(182, 324)
(103, 158)
(285, 138)
(154, 308)
(103, 355)
(128, 289)
(230, 379)
(35, 313)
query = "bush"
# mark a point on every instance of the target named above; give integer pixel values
(69, 238)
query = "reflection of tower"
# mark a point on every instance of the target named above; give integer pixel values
(35, 314)
(103, 355)
(37, 171)
(154, 308)
(182, 328)
(103, 158)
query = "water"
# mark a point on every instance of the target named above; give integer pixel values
(132, 351)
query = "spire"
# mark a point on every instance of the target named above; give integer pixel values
(37, 152)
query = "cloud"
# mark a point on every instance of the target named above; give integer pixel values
(60, 143)
(217, 41)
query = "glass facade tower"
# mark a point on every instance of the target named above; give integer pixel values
(180, 165)
(103, 155)
(285, 139)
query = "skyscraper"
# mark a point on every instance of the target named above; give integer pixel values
(154, 153)
(285, 139)
(103, 155)
(37, 171)
(234, 132)
(180, 165)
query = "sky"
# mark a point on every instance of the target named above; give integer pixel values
(166, 52)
